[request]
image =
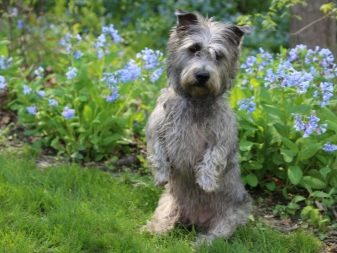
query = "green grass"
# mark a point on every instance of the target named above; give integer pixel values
(71, 209)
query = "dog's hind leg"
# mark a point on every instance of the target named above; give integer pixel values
(224, 226)
(165, 216)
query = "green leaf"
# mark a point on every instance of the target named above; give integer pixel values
(271, 186)
(295, 174)
(251, 179)
(332, 125)
(289, 144)
(298, 198)
(320, 194)
(246, 145)
(324, 171)
(309, 151)
(313, 183)
(288, 155)
(87, 113)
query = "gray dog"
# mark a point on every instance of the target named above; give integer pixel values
(191, 134)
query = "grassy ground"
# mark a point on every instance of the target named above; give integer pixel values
(71, 209)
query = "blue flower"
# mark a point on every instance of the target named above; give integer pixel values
(14, 12)
(327, 92)
(293, 53)
(5, 62)
(26, 90)
(266, 57)
(41, 93)
(270, 78)
(66, 43)
(53, 102)
(156, 74)
(68, 113)
(298, 123)
(110, 79)
(110, 30)
(113, 96)
(3, 83)
(129, 73)
(327, 58)
(78, 54)
(299, 79)
(150, 57)
(72, 73)
(20, 24)
(39, 72)
(31, 110)
(249, 64)
(309, 125)
(328, 147)
(78, 37)
(100, 42)
(247, 104)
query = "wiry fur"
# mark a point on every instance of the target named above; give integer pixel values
(192, 135)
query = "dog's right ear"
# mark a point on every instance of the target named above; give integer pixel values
(185, 19)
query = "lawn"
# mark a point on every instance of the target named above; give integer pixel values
(72, 209)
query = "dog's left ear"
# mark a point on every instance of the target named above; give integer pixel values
(240, 31)
(185, 19)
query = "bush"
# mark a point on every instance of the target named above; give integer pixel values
(90, 99)
(288, 125)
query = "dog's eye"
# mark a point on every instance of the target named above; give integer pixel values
(194, 48)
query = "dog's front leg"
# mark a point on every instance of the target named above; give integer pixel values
(160, 164)
(211, 166)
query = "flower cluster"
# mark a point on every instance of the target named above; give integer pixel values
(150, 58)
(129, 73)
(39, 72)
(247, 104)
(31, 110)
(5, 62)
(101, 40)
(68, 113)
(328, 147)
(26, 90)
(112, 32)
(3, 83)
(303, 69)
(114, 95)
(71, 73)
(66, 42)
(326, 91)
(156, 74)
(308, 125)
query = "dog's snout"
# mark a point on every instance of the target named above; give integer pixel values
(202, 76)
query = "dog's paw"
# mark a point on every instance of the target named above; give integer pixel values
(202, 240)
(207, 182)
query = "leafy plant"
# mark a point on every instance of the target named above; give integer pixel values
(287, 115)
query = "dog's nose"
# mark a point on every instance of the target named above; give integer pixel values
(202, 76)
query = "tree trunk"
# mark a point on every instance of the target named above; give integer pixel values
(321, 33)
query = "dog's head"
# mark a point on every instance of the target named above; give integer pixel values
(203, 55)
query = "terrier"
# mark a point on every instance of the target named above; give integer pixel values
(191, 134)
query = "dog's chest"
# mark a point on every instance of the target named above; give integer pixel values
(186, 140)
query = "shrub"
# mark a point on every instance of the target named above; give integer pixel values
(92, 98)
(286, 106)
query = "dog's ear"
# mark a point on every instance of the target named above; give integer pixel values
(185, 19)
(239, 32)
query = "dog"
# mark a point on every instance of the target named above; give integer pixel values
(192, 142)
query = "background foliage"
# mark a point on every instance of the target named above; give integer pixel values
(83, 76)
